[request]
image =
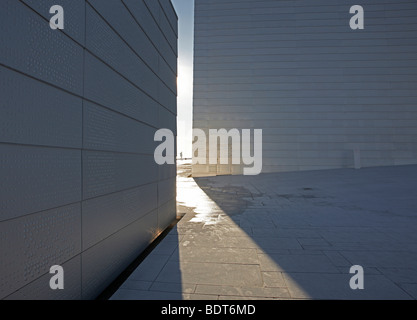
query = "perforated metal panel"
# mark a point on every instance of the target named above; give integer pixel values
(107, 45)
(78, 112)
(29, 45)
(32, 113)
(39, 289)
(165, 214)
(118, 16)
(108, 88)
(142, 15)
(166, 73)
(167, 98)
(170, 13)
(36, 179)
(168, 120)
(166, 190)
(30, 245)
(111, 131)
(106, 172)
(74, 15)
(167, 171)
(167, 30)
(106, 215)
(104, 262)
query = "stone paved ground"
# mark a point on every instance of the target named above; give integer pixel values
(287, 236)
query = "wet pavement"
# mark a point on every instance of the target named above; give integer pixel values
(288, 235)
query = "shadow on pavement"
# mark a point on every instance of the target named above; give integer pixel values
(286, 236)
(310, 228)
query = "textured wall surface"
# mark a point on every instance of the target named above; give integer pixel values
(79, 108)
(318, 89)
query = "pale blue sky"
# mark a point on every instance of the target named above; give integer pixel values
(185, 12)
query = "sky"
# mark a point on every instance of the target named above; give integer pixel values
(185, 12)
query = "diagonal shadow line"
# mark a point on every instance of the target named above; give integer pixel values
(307, 229)
(295, 249)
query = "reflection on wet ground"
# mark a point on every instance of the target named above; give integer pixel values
(205, 210)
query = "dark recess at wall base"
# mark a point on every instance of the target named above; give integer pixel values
(115, 285)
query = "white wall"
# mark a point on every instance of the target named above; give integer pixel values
(318, 89)
(78, 112)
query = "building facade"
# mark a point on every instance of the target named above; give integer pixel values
(79, 108)
(325, 95)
